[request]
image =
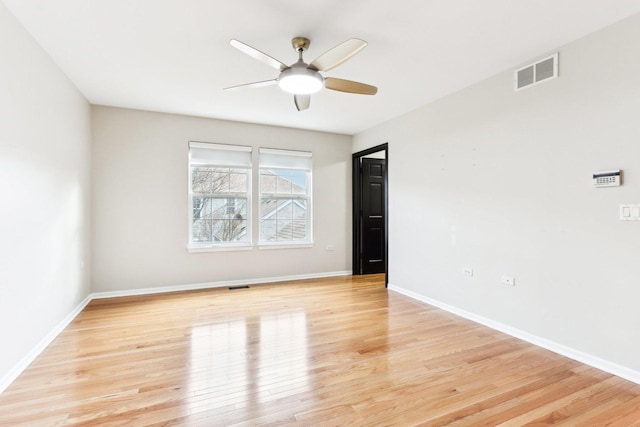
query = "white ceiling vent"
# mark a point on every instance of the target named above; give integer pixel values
(538, 72)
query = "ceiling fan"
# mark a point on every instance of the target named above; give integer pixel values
(302, 79)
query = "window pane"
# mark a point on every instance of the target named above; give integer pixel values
(201, 180)
(268, 208)
(284, 181)
(283, 185)
(238, 182)
(283, 220)
(299, 230)
(220, 182)
(218, 208)
(197, 205)
(231, 207)
(285, 209)
(299, 209)
(220, 230)
(205, 207)
(268, 230)
(298, 182)
(241, 209)
(236, 208)
(238, 230)
(267, 182)
(226, 230)
(201, 230)
(285, 229)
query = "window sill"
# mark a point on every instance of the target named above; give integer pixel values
(261, 246)
(219, 248)
(285, 245)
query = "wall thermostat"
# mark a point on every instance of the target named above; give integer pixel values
(607, 179)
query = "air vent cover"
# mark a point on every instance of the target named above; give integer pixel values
(538, 72)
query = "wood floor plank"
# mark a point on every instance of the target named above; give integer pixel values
(335, 351)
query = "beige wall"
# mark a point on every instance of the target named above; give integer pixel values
(44, 184)
(501, 182)
(140, 206)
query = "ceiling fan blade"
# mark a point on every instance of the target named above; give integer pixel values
(256, 54)
(337, 55)
(349, 86)
(302, 101)
(254, 84)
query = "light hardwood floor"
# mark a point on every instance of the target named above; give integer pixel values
(341, 351)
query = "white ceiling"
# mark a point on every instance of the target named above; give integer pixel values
(174, 56)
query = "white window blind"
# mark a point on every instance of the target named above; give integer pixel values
(285, 159)
(204, 153)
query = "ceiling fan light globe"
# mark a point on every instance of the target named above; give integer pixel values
(300, 81)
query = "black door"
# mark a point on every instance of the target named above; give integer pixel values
(373, 211)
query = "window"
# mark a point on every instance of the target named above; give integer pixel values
(285, 196)
(220, 195)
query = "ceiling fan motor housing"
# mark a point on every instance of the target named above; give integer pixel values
(300, 80)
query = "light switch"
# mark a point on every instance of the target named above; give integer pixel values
(630, 212)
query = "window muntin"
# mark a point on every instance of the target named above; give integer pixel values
(285, 197)
(220, 194)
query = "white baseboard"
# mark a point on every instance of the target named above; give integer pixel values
(7, 379)
(211, 285)
(582, 357)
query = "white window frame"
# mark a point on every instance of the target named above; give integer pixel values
(228, 157)
(277, 159)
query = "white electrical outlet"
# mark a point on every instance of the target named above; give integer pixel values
(329, 247)
(467, 271)
(508, 280)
